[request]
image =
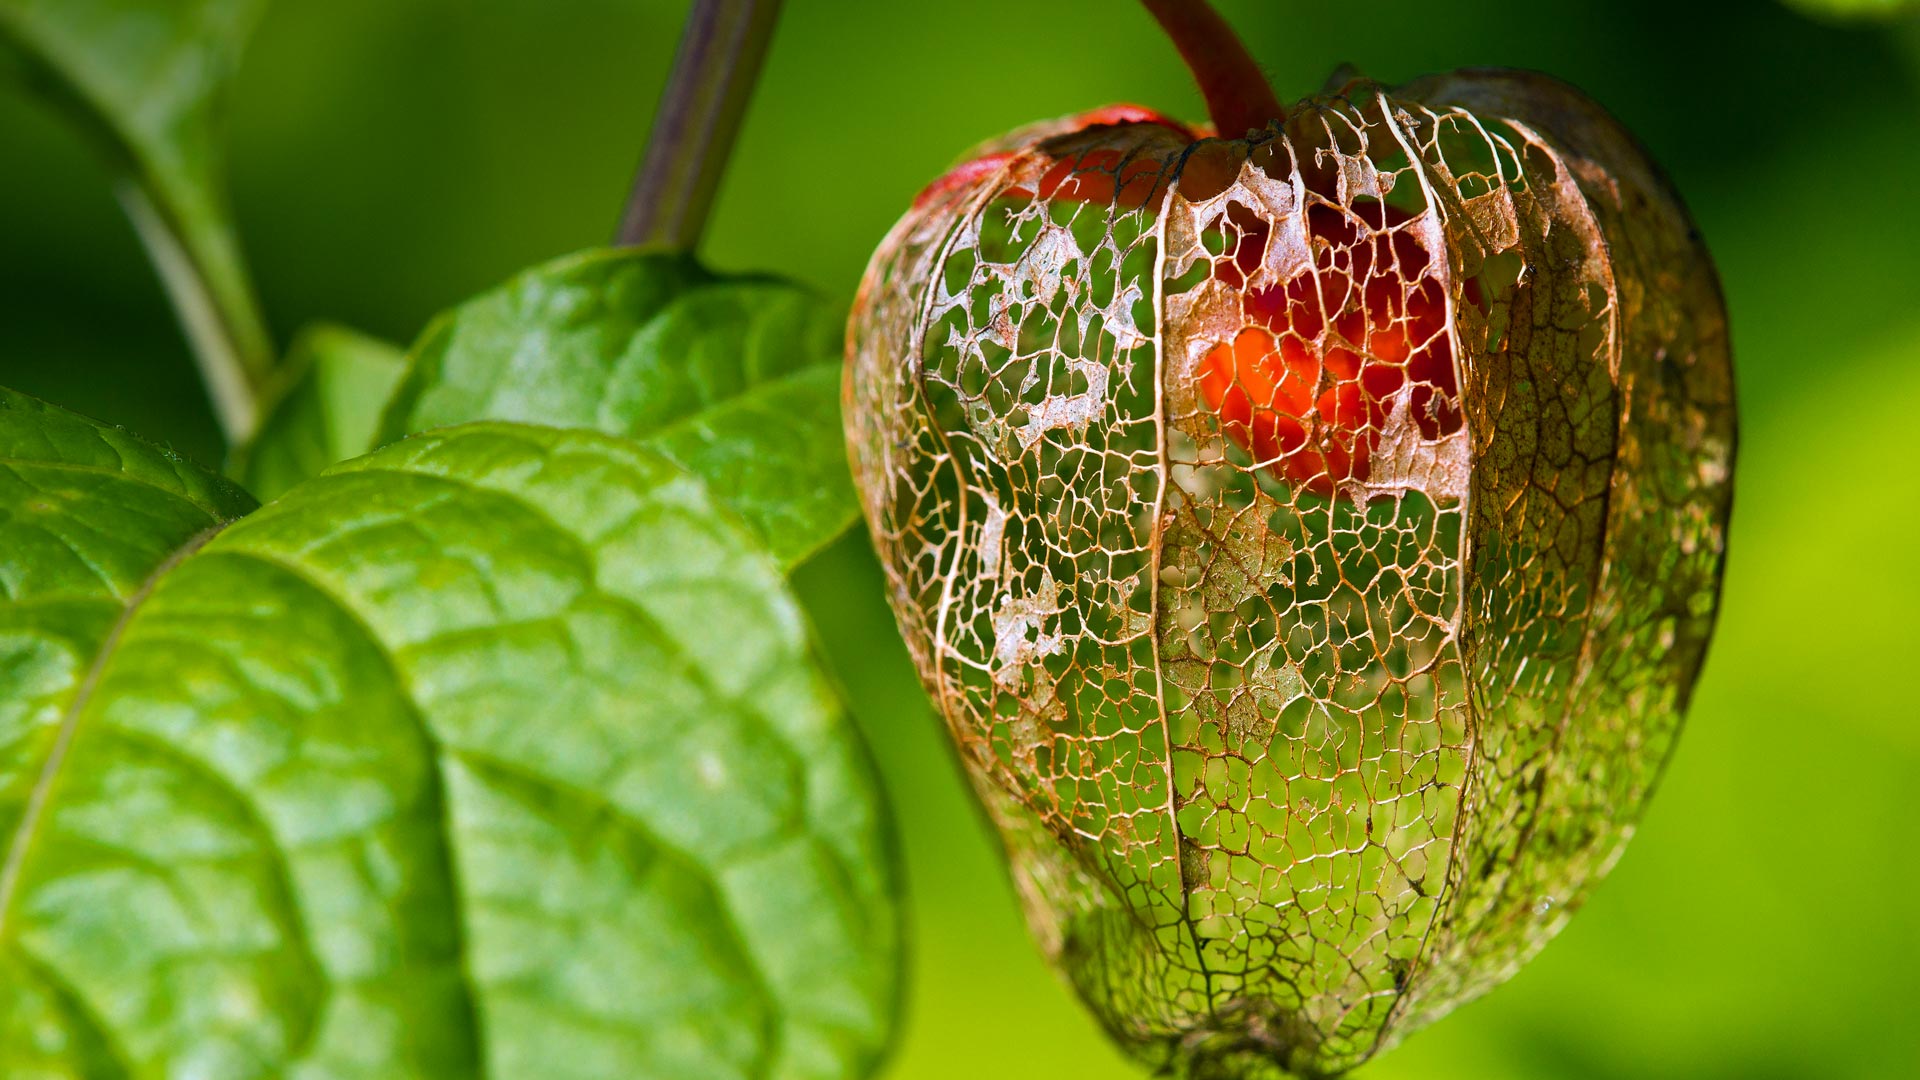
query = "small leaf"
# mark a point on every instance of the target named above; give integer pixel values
(735, 378)
(146, 79)
(86, 514)
(498, 753)
(337, 381)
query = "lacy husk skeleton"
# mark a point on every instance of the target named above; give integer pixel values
(1302, 723)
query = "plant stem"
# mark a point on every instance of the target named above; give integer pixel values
(1239, 98)
(721, 49)
(201, 271)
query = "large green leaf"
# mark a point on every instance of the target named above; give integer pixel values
(738, 379)
(499, 752)
(147, 79)
(337, 382)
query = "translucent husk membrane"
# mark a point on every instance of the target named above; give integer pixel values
(1302, 730)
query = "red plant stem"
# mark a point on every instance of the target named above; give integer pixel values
(1239, 98)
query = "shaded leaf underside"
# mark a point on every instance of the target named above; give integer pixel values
(146, 82)
(337, 380)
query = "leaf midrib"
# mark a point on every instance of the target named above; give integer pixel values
(27, 831)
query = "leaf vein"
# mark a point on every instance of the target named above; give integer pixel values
(37, 801)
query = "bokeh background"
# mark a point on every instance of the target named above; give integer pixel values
(389, 157)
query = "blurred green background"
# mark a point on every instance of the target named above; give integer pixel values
(390, 157)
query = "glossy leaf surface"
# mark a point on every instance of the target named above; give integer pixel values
(735, 378)
(500, 752)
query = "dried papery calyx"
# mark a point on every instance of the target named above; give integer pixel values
(1309, 537)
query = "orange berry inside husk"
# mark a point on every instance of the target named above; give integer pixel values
(1307, 386)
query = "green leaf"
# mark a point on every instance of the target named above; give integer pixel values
(734, 378)
(499, 752)
(146, 79)
(338, 380)
(86, 514)
(1857, 10)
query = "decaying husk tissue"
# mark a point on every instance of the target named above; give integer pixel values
(1289, 763)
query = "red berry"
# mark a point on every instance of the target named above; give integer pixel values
(1307, 387)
